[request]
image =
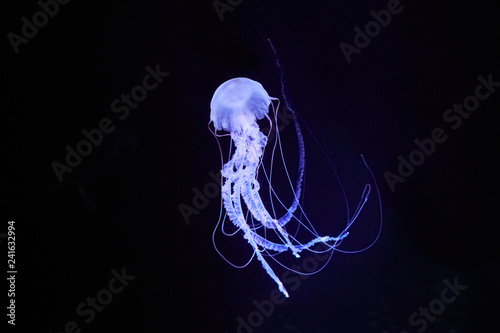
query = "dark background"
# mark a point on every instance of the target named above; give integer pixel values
(119, 207)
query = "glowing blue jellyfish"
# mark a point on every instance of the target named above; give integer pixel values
(236, 106)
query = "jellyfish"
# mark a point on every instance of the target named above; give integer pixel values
(236, 106)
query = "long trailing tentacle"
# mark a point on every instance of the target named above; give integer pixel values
(282, 247)
(301, 146)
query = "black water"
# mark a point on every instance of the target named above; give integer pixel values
(117, 212)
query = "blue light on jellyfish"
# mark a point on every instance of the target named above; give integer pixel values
(236, 106)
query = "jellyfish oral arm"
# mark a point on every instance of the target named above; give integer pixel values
(239, 182)
(236, 173)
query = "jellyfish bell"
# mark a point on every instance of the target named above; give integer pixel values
(238, 103)
(236, 106)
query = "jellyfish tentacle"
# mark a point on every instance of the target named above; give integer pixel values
(246, 181)
(232, 204)
(302, 163)
(282, 248)
(248, 235)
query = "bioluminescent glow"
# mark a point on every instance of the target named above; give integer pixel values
(236, 106)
